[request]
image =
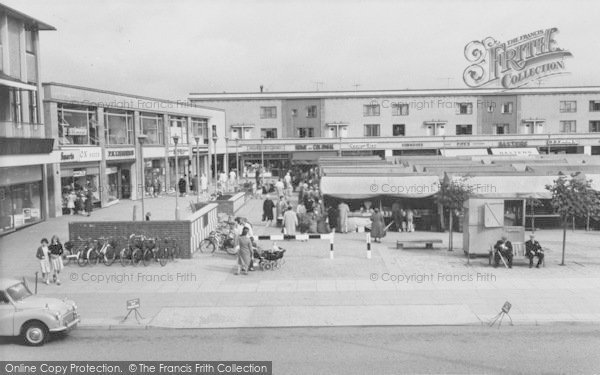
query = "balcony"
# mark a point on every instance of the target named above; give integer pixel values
(21, 130)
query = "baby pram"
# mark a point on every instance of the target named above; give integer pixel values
(269, 259)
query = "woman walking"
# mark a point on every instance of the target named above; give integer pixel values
(43, 254)
(56, 251)
(377, 226)
(244, 254)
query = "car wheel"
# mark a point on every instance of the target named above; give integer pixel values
(34, 333)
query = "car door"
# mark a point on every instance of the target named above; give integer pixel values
(7, 315)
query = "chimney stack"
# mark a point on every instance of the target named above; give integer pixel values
(261, 88)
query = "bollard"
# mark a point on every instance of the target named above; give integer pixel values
(36, 281)
(331, 246)
(368, 245)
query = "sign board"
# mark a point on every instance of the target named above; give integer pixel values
(181, 151)
(133, 304)
(120, 154)
(362, 146)
(525, 151)
(506, 307)
(77, 131)
(572, 142)
(79, 173)
(80, 154)
(309, 147)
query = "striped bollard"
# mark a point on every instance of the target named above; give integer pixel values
(368, 245)
(331, 246)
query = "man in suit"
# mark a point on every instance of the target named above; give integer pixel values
(534, 249)
(503, 247)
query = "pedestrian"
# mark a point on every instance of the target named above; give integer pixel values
(71, 198)
(534, 249)
(232, 177)
(280, 187)
(156, 186)
(89, 201)
(403, 219)
(503, 249)
(396, 216)
(268, 206)
(410, 215)
(281, 207)
(244, 247)
(56, 262)
(290, 221)
(194, 184)
(182, 186)
(342, 223)
(148, 214)
(43, 255)
(332, 217)
(203, 183)
(257, 177)
(377, 226)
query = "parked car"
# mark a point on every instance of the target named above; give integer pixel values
(33, 317)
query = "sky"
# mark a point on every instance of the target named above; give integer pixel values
(169, 48)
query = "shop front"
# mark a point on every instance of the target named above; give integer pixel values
(21, 197)
(80, 170)
(155, 169)
(183, 166)
(119, 167)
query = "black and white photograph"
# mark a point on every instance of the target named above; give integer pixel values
(299, 187)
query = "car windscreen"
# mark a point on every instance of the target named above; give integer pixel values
(18, 292)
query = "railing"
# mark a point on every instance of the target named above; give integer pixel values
(21, 130)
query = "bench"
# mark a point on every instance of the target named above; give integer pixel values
(401, 244)
(518, 253)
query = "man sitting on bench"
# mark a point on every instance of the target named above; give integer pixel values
(503, 248)
(534, 249)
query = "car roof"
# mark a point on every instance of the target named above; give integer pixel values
(6, 283)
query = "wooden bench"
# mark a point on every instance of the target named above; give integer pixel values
(400, 244)
(518, 254)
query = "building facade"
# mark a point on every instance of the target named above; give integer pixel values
(121, 145)
(299, 127)
(26, 145)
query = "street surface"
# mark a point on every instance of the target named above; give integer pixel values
(548, 349)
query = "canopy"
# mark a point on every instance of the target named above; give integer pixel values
(519, 151)
(451, 152)
(353, 187)
(518, 187)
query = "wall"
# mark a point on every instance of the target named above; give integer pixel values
(486, 120)
(301, 120)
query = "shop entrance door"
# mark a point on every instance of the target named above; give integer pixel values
(125, 183)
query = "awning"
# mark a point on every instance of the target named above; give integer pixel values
(6, 80)
(464, 152)
(312, 155)
(518, 151)
(358, 187)
(518, 187)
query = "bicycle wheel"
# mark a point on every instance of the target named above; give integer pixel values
(162, 256)
(93, 256)
(81, 260)
(207, 246)
(136, 256)
(231, 250)
(67, 257)
(147, 257)
(109, 256)
(125, 257)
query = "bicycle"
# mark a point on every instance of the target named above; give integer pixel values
(220, 239)
(171, 248)
(132, 253)
(151, 251)
(104, 252)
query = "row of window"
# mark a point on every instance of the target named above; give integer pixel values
(78, 125)
(17, 105)
(570, 106)
(271, 112)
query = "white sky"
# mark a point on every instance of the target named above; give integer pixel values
(169, 48)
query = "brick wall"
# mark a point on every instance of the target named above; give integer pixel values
(188, 233)
(231, 205)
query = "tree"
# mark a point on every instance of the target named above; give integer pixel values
(532, 203)
(573, 197)
(452, 195)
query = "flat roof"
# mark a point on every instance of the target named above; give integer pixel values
(390, 93)
(25, 18)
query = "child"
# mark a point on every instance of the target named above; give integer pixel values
(56, 251)
(43, 254)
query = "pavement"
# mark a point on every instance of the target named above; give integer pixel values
(410, 287)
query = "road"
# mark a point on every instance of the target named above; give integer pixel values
(356, 350)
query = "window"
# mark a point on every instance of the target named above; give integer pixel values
(490, 107)
(152, 127)
(398, 130)
(118, 127)
(506, 108)
(594, 105)
(33, 108)
(77, 125)
(371, 110)
(372, 130)
(399, 109)
(269, 133)
(268, 112)
(464, 108)
(594, 126)
(30, 56)
(294, 113)
(501, 128)
(200, 128)
(306, 132)
(15, 105)
(178, 127)
(568, 126)
(311, 111)
(464, 129)
(568, 106)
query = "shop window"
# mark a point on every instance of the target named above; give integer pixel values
(178, 127)
(507, 108)
(568, 126)
(306, 132)
(77, 125)
(398, 130)
(372, 130)
(268, 133)
(118, 127)
(594, 126)
(152, 127)
(371, 110)
(464, 108)
(20, 205)
(268, 112)
(311, 111)
(399, 109)
(568, 106)
(464, 129)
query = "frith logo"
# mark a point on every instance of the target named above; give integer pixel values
(515, 63)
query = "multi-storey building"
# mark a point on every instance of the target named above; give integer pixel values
(106, 139)
(278, 129)
(26, 145)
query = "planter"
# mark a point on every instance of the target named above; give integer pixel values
(230, 205)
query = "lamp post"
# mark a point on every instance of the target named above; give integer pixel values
(226, 160)
(237, 157)
(141, 138)
(176, 141)
(197, 139)
(340, 140)
(215, 137)
(262, 160)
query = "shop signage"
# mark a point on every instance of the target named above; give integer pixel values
(463, 144)
(120, 153)
(80, 154)
(411, 144)
(563, 142)
(512, 144)
(314, 147)
(181, 151)
(362, 146)
(265, 147)
(77, 131)
(79, 173)
(515, 63)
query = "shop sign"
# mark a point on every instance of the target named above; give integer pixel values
(463, 144)
(362, 146)
(181, 151)
(120, 153)
(516, 62)
(411, 144)
(314, 147)
(265, 147)
(79, 173)
(80, 154)
(562, 142)
(77, 131)
(512, 144)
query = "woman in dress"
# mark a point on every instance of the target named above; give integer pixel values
(290, 221)
(71, 198)
(56, 251)
(268, 206)
(43, 254)
(244, 254)
(377, 226)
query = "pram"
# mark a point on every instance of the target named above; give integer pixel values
(269, 259)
